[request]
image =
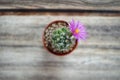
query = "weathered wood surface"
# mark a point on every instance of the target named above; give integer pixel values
(22, 56)
(61, 4)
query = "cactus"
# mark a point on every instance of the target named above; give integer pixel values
(62, 39)
(58, 38)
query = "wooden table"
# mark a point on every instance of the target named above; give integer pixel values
(23, 57)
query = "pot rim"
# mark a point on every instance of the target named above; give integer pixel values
(43, 40)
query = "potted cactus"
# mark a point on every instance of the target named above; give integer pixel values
(61, 37)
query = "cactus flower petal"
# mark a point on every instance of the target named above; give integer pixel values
(78, 30)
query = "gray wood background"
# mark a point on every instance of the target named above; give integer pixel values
(61, 4)
(23, 57)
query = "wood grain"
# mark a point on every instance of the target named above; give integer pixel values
(61, 4)
(23, 57)
(60, 12)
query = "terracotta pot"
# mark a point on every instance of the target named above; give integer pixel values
(51, 50)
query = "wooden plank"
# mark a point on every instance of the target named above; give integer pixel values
(22, 56)
(61, 4)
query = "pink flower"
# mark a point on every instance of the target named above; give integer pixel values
(78, 30)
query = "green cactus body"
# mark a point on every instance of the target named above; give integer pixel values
(62, 39)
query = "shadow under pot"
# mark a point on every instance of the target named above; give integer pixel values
(58, 39)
